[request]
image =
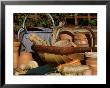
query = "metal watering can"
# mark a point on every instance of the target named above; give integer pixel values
(44, 33)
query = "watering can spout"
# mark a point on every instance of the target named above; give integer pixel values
(23, 31)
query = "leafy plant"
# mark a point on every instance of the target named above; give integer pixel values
(93, 22)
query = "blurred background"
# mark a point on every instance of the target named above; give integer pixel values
(41, 20)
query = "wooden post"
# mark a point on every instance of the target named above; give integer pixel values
(76, 20)
(89, 17)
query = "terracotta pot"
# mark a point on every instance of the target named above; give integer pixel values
(94, 69)
(94, 72)
(16, 54)
(91, 62)
(25, 58)
(93, 65)
(91, 59)
(87, 72)
(91, 55)
(16, 43)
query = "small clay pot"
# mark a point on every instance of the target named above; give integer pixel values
(94, 69)
(25, 58)
(91, 62)
(16, 46)
(87, 72)
(16, 43)
(94, 72)
(93, 65)
(91, 55)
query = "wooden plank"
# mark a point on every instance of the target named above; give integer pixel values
(78, 17)
(84, 30)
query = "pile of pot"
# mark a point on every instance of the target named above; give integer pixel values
(22, 60)
(16, 46)
(91, 61)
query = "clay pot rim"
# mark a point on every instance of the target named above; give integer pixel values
(91, 54)
(91, 60)
(93, 66)
(16, 43)
(24, 52)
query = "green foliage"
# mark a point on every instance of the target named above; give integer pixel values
(93, 22)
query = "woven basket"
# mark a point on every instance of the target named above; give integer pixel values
(57, 55)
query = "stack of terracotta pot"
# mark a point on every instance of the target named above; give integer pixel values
(16, 46)
(91, 61)
(20, 57)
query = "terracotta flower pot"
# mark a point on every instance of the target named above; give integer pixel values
(25, 58)
(94, 73)
(91, 55)
(16, 43)
(15, 54)
(91, 62)
(87, 72)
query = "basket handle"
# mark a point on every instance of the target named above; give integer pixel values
(92, 36)
(49, 15)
